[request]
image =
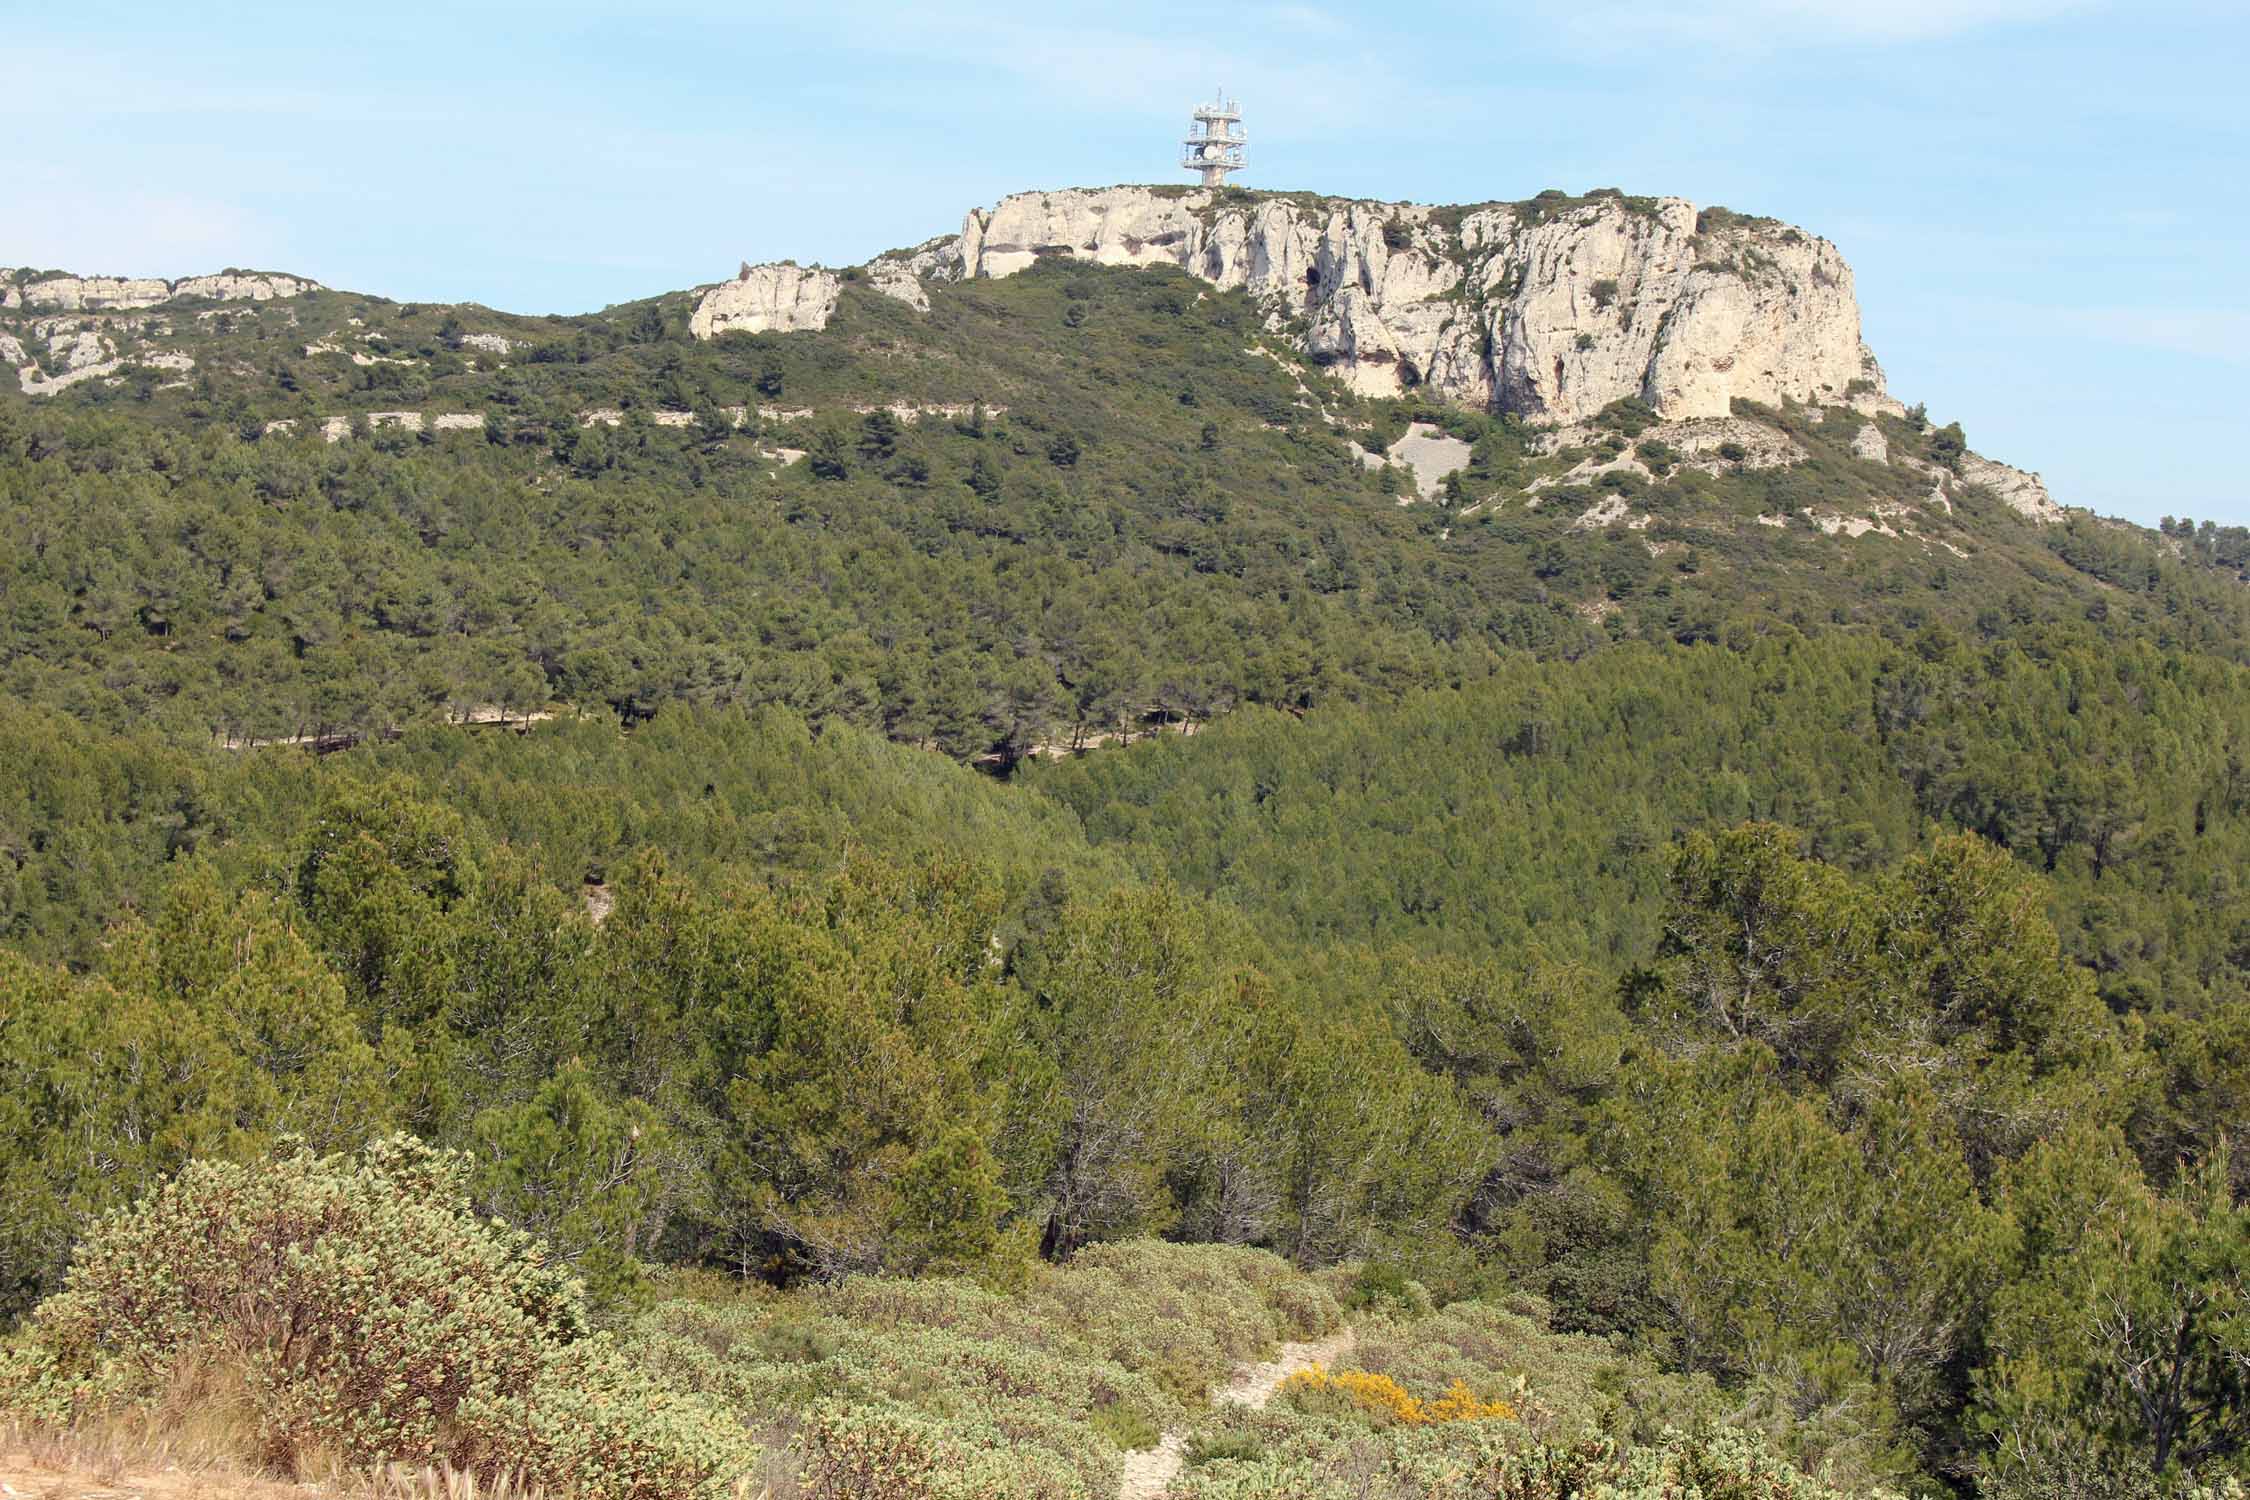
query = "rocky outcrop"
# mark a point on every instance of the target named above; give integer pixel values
(94, 293)
(124, 293)
(1714, 445)
(767, 299)
(243, 286)
(1549, 309)
(1870, 444)
(895, 279)
(2022, 492)
(77, 349)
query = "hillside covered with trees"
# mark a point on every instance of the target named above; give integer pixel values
(1714, 1006)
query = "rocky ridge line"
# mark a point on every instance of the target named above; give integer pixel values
(30, 290)
(1550, 309)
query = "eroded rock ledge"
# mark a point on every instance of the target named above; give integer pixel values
(1552, 309)
(29, 289)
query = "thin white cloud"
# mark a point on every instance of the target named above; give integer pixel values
(1615, 25)
(2201, 333)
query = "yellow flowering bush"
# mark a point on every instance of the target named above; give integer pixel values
(1383, 1398)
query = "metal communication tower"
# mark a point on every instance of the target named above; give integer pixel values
(1214, 144)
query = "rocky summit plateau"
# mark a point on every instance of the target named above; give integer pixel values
(1551, 309)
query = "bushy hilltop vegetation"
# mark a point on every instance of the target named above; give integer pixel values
(1721, 1006)
(1107, 504)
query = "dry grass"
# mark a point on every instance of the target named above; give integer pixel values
(202, 1460)
(202, 1441)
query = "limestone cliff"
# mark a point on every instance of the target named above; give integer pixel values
(767, 299)
(119, 293)
(1553, 308)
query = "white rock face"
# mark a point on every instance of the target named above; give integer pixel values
(896, 279)
(1834, 523)
(1869, 443)
(93, 293)
(1550, 312)
(1432, 453)
(78, 349)
(33, 384)
(112, 293)
(767, 299)
(2023, 492)
(244, 287)
(488, 343)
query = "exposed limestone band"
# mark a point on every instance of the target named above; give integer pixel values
(1549, 312)
(110, 293)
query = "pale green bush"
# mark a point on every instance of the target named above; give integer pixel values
(370, 1316)
(888, 1455)
(939, 1387)
(1478, 1461)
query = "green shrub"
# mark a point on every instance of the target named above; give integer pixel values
(1476, 1460)
(900, 1384)
(1385, 1284)
(1129, 1427)
(371, 1316)
(889, 1455)
(1629, 416)
(1224, 1447)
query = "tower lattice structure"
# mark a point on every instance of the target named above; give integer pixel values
(1215, 142)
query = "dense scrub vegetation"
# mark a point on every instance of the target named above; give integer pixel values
(1717, 1007)
(1666, 1080)
(1132, 516)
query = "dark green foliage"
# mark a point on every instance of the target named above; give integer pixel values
(1819, 964)
(173, 564)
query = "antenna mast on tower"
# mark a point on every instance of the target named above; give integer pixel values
(1214, 144)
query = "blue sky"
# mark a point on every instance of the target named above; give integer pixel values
(2044, 199)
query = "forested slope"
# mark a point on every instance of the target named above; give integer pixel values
(1104, 500)
(1712, 961)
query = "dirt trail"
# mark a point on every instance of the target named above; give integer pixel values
(1149, 1472)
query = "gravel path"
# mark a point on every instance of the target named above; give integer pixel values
(1150, 1471)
